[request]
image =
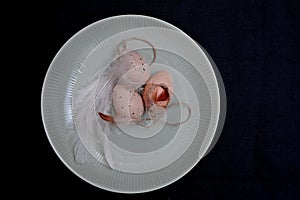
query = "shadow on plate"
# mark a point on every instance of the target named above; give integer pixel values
(223, 102)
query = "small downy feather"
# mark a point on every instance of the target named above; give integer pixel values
(96, 99)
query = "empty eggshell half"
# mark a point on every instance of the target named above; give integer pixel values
(158, 90)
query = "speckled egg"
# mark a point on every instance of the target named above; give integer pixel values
(136, 76)
(131, 59)
(128, 104)
(138, 70)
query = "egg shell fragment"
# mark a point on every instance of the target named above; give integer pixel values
(155, 86)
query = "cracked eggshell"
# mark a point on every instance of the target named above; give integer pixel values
(128, 104)
(162, 77)
(154, 93)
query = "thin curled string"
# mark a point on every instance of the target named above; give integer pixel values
(169, 123)
(111, 119)
(123, 45)
(179, 123)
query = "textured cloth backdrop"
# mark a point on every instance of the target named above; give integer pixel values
(256, 46)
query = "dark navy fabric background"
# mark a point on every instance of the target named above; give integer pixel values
(256, 46)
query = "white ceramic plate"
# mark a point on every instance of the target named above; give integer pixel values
(176, 154)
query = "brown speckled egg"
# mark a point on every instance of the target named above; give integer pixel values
(132, 59)
(138, 70)
(128, 104)
(158, 90)
(136, 76)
